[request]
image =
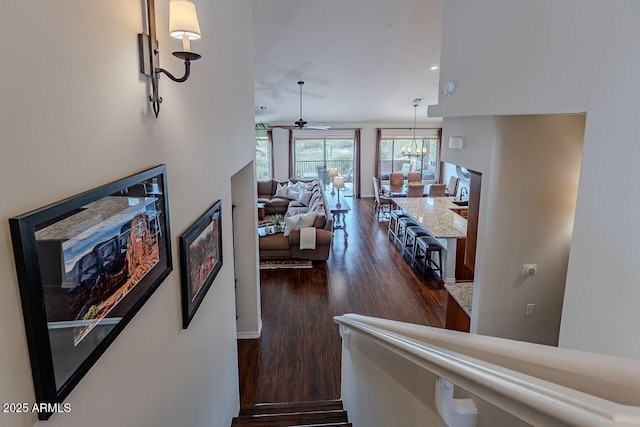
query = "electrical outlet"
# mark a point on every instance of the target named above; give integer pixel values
(529, 269)
(530, 309)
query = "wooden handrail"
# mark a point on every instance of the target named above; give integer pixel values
(528, 397)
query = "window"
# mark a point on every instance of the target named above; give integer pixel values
(392, 159)
(263, 158)
(314, 156)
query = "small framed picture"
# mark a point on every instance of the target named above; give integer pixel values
(200, 260)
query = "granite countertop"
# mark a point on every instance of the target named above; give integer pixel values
(462, 293)
(436, 215)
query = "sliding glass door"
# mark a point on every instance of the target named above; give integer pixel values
(392, 159)
(313, 157)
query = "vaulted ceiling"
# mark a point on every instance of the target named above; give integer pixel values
(361, 60)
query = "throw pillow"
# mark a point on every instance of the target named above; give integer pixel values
(296, 222)
(296, 210)
(281, 191)
(305, 197)
(294, 187)
(406, 168)
(307, 185)
(292, 194)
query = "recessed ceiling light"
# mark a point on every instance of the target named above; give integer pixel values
(435, 67)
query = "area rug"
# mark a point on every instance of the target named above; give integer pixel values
(286, 263)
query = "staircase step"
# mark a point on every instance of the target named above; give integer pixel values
(309, 418)
(288, 407)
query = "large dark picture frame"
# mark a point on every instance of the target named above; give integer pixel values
(86, 265)
(200, 260)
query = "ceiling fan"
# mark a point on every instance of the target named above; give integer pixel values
(302, 124)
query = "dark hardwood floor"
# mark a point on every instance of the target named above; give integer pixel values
(298, 355)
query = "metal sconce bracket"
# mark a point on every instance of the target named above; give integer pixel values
(149, 56)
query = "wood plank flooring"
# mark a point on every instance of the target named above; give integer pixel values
(297, 358)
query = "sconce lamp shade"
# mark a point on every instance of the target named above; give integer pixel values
(183, 20)
(338, 182)
(333, 172)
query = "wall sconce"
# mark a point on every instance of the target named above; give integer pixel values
(183, 24)
(456, 142)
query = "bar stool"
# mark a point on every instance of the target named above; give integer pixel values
(424, 248)
(409, 244)
(403, 223)
(393, 223)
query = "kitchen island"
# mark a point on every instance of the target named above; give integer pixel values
(436, 215)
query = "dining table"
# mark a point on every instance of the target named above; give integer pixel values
(402, 192)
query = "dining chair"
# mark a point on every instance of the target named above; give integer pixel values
(452, 186)
(437, 190)
(396, 181)
(381, 200)
(415, 190)
(414, 177)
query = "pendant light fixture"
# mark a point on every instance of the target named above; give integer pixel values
(413, 150)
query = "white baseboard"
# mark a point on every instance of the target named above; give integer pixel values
(250, 335)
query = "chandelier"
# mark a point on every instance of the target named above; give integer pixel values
(413, 150)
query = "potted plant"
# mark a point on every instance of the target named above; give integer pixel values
(277, 220)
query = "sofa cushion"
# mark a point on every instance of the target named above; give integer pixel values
(276, 241)
(281, 190)
(292, 194)
(296, 210)
(296, 222)
(320, 220)
(265, 188)
(296, 204)
(305, 197)
(315, 196)
(279, 202)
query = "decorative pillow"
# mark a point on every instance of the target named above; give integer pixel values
(296, 210)
(296, 222)
(294, 187)
(406, 168)
(305, 197)
(292, 194)
(308, 185)
(281, 191)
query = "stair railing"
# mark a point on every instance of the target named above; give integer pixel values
(530, 381)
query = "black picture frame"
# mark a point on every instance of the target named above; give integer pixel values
(200, 260)
(85, 267)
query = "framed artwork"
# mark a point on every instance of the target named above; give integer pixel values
(200, 260)
(86, 265)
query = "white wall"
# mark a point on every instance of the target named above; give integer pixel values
(367, 141)
(554, 57)
(74, 115)
(247, 273)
